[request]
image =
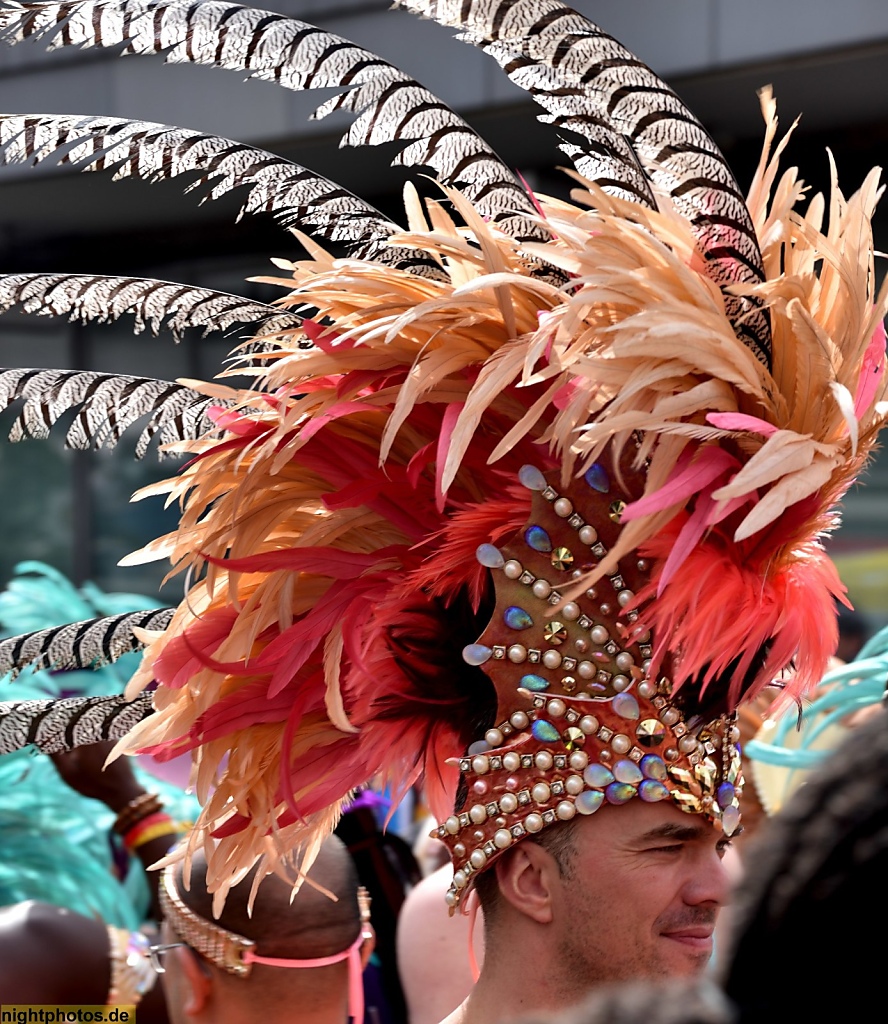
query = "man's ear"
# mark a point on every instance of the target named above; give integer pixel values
(528, 878)
(196, 982)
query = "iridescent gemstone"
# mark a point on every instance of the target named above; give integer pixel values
(476, 654)
(589, 802)
(626, 706)
(596, 477)
(652, 791)
(555, 632)
(545, 732)
(573, 737)
(568, 684)
(615, 511)
(562, 559)
(532, 478)
(653, 767)
(517, 618)
(726, 794)
(536, 684)
(730, 820)
(619, 793)
(537, 538)
(490, 556)
(627, 771)
(597, 776)
(650, 733)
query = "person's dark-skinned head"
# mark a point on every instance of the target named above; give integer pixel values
(307, 926)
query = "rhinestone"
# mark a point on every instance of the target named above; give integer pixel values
(517, 618)
(516, 654)
(539, 702)
(599, 635)
(557, 788)
(568, 684)
(599, 550)
(518, 830)
(536, 684)
(511, 761)
(476, 654)
(680, 729)
(494, 737)
(605, 734)
(636, 753)
(568, 663)
(619, 793)
(597, 776)
(627, 771)
(478, 814)
(588, 534)
(612, 647)
(602, 676)
(652, 791)
(589, 802)
(621, 743)
(584, 622)
(554, 598)
(513, 569)
(532, 478)
(573, 737)
(617, 582)
(552, 659)
(527, 578)
(541, 589)
(502, 838)
(496, 763)
(490, 556)
(589, 724)
(534, 656)
(576, 521)
(524, 797)
(556, 708)
(538, 539)
(565, 810)
(492, 809)
(465, 763)
(519, 719)
(596, 477)
(499, 652)
(541, 793)
(550, 494)
(562, 559)
(543, 760)
(615, 512)
(650, 732)
(560, 761)
(489, 849)
(555, 632)
(533, 823)
(527, 760)
(563, 507)
(578, 760)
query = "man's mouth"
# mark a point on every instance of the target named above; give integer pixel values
(696, 937)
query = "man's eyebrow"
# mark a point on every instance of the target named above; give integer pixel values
(672, 830)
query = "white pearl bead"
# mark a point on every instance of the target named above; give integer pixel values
(542, 588)
(619, 683)
(494, 737)
(459, 879)
(478, 813)
(670, 716)
(570, 611)
(478, 859)
(647, 689)
(516, 654)
(511, 761)
(552, 659)
(586, 670)
(540, 793)
(625, 661)
(624, 597)
(574, 784)
(565, 810)
(513, 569)
(621, 743)
(519, 720)
(556, 708)
(480, 764)
(533, 823)
(687, 744)
(589, 724)
(563, 507)
(508, 803)
(450, 898)
(502, 838)
(452, 824)
(578, 760)
(544, 760)
(588, 534)
(599, 634)
(459, 850)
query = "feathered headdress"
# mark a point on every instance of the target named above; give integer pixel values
(528, 494)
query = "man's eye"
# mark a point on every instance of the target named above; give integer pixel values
(671, 848)
(723, 847)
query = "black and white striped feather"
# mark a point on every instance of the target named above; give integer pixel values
(293, 194)
(107, 404)
(636, 130)
(156, 305)
(54, 726)
(89, 644)
(390, 105)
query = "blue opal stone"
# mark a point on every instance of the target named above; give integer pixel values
(626, 706)
(536, 684)
(652, 791)
(619, 793)
(476, 654)
(597, 776)
(730, 820)
(478, 747)
(538, 539)
(627, 771)
(596, 478)
(653, 767)
(490, 555)
(589, 801)
(545, 732)
(516, 618)
(726, 794)
(532, 478)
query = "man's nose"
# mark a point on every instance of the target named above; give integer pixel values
(709, 881)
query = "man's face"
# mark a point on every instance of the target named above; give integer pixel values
(643, 887)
